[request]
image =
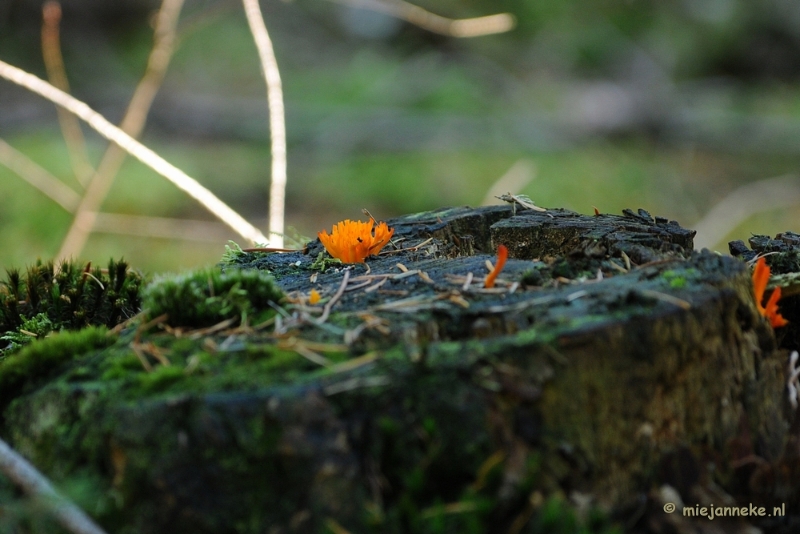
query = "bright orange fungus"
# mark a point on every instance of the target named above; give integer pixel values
(502, 256)
(314, 297)
(352, 241)
(770, 311)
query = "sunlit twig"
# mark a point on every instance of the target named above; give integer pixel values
(110, 223)
(277, 122)
(38, 487)
(513, 181)
(54, 63)
(132, 124)
(472, 27)
(136, 149)
(38, 177)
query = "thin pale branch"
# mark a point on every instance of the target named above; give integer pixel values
(38, 487)
(38, 177)
(54, 63)
(110, 223)
(743, 202)
(132, 124)
(472, 27)
(136, 149)
(277, 122)
(513, 181)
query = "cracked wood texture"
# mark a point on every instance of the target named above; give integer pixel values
(611, 368)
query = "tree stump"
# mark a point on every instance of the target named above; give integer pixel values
(610, 371)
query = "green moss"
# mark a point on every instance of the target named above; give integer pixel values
(118, 372)
(235, 256)
(70, 297)
(324, 261)
(537, 276)
(121, 367)
(436, 483)
(37, 326)
(677, 283)
(679, 279)
(45, 356)
(161, 378)
(468, 515)
(557, 517)
(209, 296)
(676, 280)
(564, 268)
(463, 354)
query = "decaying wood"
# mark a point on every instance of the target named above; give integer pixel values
(610, 364)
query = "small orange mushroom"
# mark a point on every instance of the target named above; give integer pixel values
(314, 297)
(770, 311)
(502, 256)
(352, 241)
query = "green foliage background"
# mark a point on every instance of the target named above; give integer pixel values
(666, 106)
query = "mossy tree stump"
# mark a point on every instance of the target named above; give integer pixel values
(611, 368)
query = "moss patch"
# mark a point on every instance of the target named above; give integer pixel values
(44, 358)
(45, 299)
(208, 296)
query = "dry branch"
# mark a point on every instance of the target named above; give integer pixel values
(472, 27)
(277, 121)
(54, 63)
(132, 124)
(38, 177)
(521, 173)
(37, 486)
(110, 223)
(136, 149)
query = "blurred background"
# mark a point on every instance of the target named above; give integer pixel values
(689, 109)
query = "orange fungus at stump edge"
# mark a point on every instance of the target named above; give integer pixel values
(352, 241)
(502, 256)
(314, 297)
(770, 311)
